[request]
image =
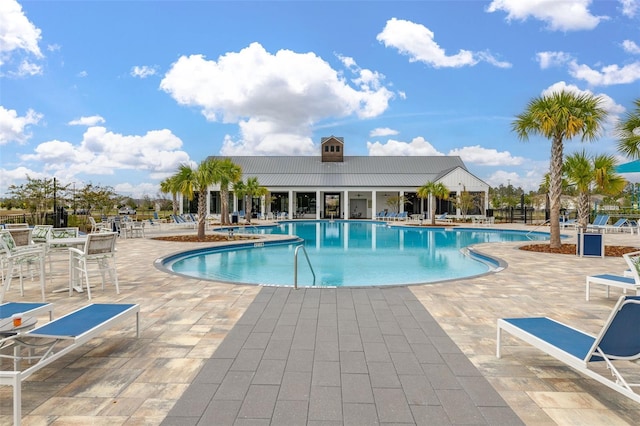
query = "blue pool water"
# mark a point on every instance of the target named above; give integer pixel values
(349, 253)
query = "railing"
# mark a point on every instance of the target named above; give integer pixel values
(295, 266)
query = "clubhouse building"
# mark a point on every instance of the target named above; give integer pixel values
(336, 186)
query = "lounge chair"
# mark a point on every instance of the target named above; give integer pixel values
(27, 309)
(46, 344)
(618, 341)
(629, 281)
(620, 226)
(443, 218)
(599, 222)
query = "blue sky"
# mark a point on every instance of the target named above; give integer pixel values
(120, 93)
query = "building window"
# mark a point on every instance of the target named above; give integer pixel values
(326, 148)
(337, 149)
(332, 148)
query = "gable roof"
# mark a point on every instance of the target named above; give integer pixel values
(355, 171)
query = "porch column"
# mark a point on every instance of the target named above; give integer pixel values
(290, 204)
(345, 207)
(318, 205)
(401, 198)
(374, 208)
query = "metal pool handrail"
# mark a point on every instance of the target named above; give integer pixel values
(295, 265)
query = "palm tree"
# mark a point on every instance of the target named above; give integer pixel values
(248, 191)
(227, 173)
(628, 133)
(592, 173)
(189, 181)
(431, 190)
(167, 186)
(559, 116)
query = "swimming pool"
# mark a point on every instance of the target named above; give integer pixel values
(348, 253)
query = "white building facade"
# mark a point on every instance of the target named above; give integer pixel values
(335, 186)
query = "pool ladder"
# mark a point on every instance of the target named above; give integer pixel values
(295, 265)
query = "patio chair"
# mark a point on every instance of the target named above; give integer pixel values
(46, 344)
(14, 258)
(99, 250)
(599, 222)
(630, 280)
(620, 226)
(40, 233)
(21, 236)
(15, 225)
(443, 218)
(618, 341)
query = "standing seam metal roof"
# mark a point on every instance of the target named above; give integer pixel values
(310, 171)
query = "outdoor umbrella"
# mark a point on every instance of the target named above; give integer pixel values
(630, 167)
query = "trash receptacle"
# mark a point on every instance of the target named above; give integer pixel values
(234, 218)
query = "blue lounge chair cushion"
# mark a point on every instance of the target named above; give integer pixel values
(569, 340)
(618, 278)
(10, 308)
(82, 321)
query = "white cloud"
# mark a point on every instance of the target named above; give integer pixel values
(417, 146)
(83, 74)
(143, 71)
(417, 42)
(631, 47)
(565, 15)
(87, 121)
(17, 175)
(382, 131)
(489, 58)
(274, 98)
(137, 191)
(18, 36)
(14, 128)
(552, 59)
(630, 7)
(530, 181)
(486, 156)
(103, 152)
(607, 76)
(27, 68)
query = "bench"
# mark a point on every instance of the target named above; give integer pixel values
(51, 341)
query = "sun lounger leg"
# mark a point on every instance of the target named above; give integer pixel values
(587, 290)
(17, 400)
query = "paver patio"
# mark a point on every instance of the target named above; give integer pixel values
(117, 379)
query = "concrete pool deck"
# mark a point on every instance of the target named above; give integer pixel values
(117, 379)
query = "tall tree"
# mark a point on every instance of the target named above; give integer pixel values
(168, 186)
(227, 174)
(559, 116)
(628, 133)
(590, 174)
(431, 191)
(189, 181)
(248, 191)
